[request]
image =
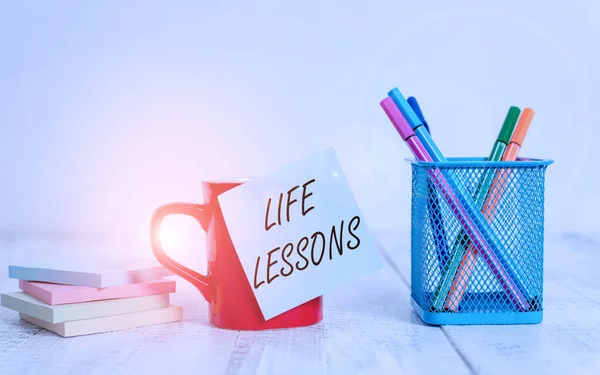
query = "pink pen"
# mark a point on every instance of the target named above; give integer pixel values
(407, 133)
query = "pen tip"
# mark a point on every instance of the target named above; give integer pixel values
(414, 104)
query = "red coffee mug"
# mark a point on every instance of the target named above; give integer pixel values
(232, 304)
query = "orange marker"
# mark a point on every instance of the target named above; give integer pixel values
(494, 194)
(512, 150)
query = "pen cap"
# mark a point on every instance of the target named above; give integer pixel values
(509, 125)
(407, 111)
(414, 104)
(522, 126)
(397, 119)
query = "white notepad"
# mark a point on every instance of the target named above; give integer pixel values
(30, 306)
(83, 272)
(172, 313)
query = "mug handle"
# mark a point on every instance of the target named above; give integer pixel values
(201, 214)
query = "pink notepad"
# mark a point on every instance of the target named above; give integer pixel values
(58, 294)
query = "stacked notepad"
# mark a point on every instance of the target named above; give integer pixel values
(90, 299)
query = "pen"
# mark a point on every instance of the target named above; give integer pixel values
(462, 205)
(495, 193)
(459, 246)
(467, 214)
(414, 104)
(406, 132)
(433, 203)
(417, 126)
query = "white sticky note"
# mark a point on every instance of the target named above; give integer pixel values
(299, 233)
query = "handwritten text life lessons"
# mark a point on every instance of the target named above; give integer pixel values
(299, 233)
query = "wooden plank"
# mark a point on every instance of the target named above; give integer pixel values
(186, 347)
(190, 346)
(567, 341)
(368, 328)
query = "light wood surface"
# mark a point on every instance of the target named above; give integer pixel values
(368, 328)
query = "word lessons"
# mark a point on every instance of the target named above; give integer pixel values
(299, 233)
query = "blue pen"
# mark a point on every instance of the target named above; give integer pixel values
(433, 203)
(484, 239)
(414, 104)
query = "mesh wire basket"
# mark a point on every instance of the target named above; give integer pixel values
(477, 241)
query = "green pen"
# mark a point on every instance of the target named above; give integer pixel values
(459, 246)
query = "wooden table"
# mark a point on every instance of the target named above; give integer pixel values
(368, 328)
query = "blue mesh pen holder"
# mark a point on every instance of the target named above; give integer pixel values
(453, 281)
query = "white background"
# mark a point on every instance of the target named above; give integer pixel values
(109, 109)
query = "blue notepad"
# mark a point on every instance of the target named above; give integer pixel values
(85, 273)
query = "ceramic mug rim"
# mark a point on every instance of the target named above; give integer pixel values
(235, 180)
